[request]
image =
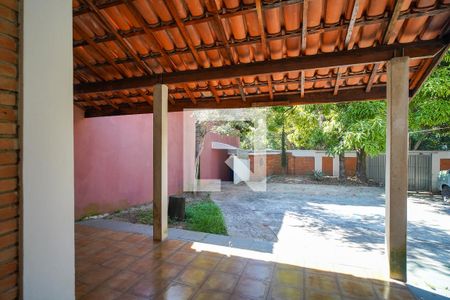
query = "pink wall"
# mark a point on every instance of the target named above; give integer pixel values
(212, 161)
(113, 161)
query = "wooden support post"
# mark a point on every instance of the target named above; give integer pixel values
(160, 197)
(397, 166)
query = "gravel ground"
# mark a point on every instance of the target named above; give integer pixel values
(342, 223)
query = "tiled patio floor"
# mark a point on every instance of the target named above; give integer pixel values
(121, 265)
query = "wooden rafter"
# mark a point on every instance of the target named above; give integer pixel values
(303, 43)
(393, 20)
(348, 37)
(140, 19)
(281, 36)
(186, 37)
(262, 31)
(372, 76)
(223, 37)
(423, 49)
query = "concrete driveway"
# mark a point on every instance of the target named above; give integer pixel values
(341, 227)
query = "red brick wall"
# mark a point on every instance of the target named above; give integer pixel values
(327, 166)
(445, 164)
(9, 212)
(303, 165)
(350, 166)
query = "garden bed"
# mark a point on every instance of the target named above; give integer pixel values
(202, 214)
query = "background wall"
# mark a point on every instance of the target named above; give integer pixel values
(212, 161)
(114, 161)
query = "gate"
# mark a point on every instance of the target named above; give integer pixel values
(419, 171)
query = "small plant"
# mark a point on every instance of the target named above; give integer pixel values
(205, 216)
(145, 216)
(318, 175)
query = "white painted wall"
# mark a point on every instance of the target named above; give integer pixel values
(47, 151)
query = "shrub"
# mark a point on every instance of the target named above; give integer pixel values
(318, 175)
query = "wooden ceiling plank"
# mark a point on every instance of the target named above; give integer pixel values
(423, 49)
(393, 20)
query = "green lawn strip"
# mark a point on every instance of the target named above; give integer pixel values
(203, 216)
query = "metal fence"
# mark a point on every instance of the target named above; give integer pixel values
(419, 171)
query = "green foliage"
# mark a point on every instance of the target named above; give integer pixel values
(429, 111)
(205, 216)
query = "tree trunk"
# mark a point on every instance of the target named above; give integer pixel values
(342, 167)
(361, 165)
(283, 152)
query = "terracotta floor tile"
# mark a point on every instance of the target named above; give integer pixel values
(102, 293)
(320, 295)
(181, 258)
(356, 288)
(325, 283)
(219, 281)
(96, 275)
(205, 261)
(144, 264)
(285, 293)
(137, 251)
(171, 245)
(131, 297)
(81, 289)
(258, 271)
(117, 236)
(135, 238)
(393, 293)
(193, 276)
(211, 295)
(120, 261)
(289, 277)
(251, 288)
(147, 287)
(232, 265)
(178, 291)
(188, 247)
(165, 271)
(123, 280)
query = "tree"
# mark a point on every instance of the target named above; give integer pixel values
(429, 111)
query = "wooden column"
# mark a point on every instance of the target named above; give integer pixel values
(160, 196)
(397, 165)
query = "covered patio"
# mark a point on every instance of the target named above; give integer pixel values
(151, 56)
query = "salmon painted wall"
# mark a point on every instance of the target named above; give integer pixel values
(113, 161)
(212, 161)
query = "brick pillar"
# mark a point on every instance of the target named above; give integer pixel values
(9, 149)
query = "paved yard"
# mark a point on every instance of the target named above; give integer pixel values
(339, 225)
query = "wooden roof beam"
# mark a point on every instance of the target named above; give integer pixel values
(423, 49)
(345, 95)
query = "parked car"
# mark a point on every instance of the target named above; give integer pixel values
(444, 184)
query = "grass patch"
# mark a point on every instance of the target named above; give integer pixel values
(145, 216)
(205, 216)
